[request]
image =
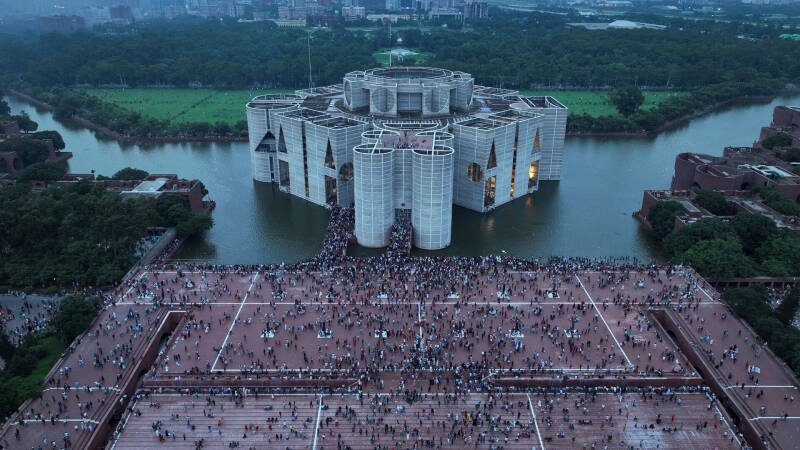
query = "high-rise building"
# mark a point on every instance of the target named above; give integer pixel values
(406, 138)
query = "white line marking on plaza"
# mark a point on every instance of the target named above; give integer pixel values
(604, 320)
(234, 321)
(772, 418)
(316, 429)
(535, 421)
(83, 388)
(47, 421)
(739, 386)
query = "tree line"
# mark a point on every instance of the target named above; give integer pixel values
(81, 234)
(510, 50)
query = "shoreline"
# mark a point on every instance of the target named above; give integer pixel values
(678, 121)
(610, 134)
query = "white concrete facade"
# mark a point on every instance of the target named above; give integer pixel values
(406, 138)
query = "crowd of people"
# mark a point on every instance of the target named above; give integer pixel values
(21, 314)
(404, 329)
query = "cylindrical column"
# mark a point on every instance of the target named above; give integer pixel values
(373, 195)
(432, 197)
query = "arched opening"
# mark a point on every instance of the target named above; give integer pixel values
(16, 163)
(492, 163)
(474, 172)
(346, 172)
(745, 186)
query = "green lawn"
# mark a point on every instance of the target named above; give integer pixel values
(210, 105)
(184, 105)
(597, 103)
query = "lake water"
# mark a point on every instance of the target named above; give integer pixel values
(587, 213)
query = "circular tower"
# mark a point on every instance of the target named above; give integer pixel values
(373, 192)
(432, 197)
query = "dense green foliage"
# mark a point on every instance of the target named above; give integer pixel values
(748, 245)
(777, 201)
(129, 173)
(42, 172)
(75, 313)
(662, 217)
(714, 202)
(777, 140)
(30, 151)
(54, 136)
(173, 211)
(80, 233)
(627, 99)
(752, 305)
(511, 50)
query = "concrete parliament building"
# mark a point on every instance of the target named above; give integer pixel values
(406, 138)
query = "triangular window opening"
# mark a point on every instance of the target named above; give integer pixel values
(281, 141)
(537, 144)
(329, 157)
(492, 159)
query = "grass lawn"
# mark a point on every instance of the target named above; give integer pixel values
(184, 105)
(597, 103)
(210, 105)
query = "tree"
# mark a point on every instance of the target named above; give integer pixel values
(54, 136)
(26, 124)
(130, 173)
(714, 202)
(42, 172)
(719, 258)
(753, 230)
(682, 239)
(74, 315)
(627, 99)
(780, 255)
(662, 217)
